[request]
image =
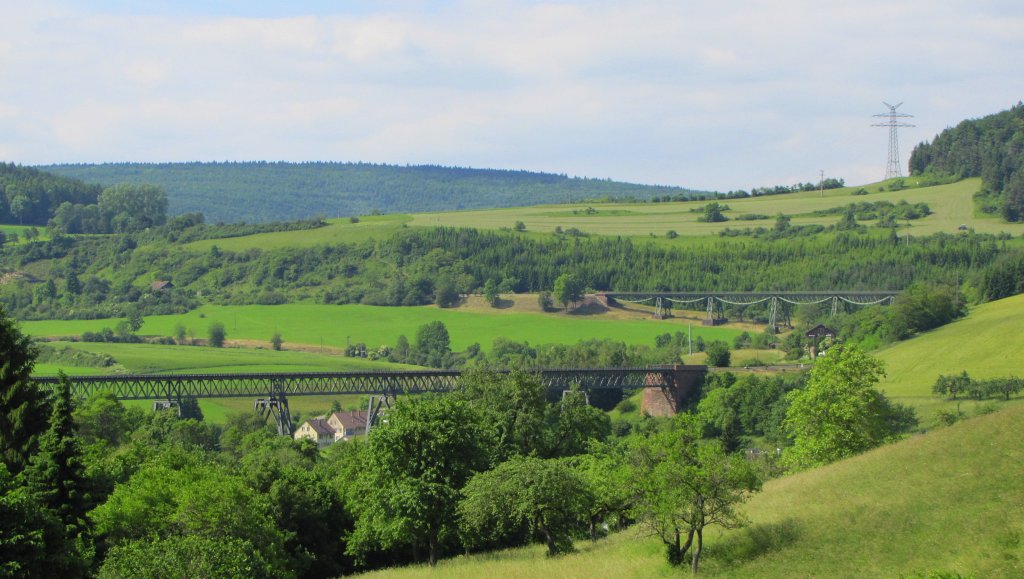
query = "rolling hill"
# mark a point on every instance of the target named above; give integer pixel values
(944, 504)
(261, 191)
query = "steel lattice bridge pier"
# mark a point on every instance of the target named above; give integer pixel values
(272, 390)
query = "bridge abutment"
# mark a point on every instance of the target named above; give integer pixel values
(661, 400)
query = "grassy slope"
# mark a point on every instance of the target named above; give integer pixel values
(375, 325)
(337, 231)
(951, 205)
(947, 501)
(987, 343)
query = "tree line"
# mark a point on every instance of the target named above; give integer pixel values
(100, 276)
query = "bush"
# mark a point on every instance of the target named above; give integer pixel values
(217, 334)
(276, 341)
(718, 354)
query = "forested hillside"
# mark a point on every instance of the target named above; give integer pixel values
(94, 277)
(262, 191)
(31, 197)
(992, 148)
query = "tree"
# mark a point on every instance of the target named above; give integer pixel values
(103, 418)
(839, 413)
(180, 332)
(568, 290)
(491, 293)
(685, 486)
(135, 319)
(609, 478)
(544, 301)
(416, 464)
(782, 222)
(543, 496)
(130, 207)
(56, 476)
(217, 334)
(512, 408)
(713, 213)
(433, 345)
(23, 406)
(276, 341)
(184, 494)
(520, 226)
(952, 385)
(576, 424)
(445, 295)
(718, 354)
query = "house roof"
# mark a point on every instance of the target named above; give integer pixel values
(320, 426)
(820, 331)
(161, 284)
(351, 419)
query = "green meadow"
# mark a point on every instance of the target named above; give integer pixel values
(20, 230)
(951, 206)
(160, 359)
(944, 504)
(335, 326)
(988, 343)
(336, 231)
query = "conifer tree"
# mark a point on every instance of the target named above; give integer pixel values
(23, 406)
(56, 478)
(56, 474)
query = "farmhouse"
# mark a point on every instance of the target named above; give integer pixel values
(337, 426)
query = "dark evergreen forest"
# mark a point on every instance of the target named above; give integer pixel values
(266, 191)
(992, 148)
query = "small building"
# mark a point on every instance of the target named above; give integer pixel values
(161, 285)
(348, 424)
(817, 335)
(337, 426)
(317, 430)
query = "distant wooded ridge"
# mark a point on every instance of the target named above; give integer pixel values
(232, 192)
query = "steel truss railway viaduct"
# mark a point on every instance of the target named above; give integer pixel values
(665, 387)
(778, 303)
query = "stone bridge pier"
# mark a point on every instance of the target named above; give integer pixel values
(662, 399)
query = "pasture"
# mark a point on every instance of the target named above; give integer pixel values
(988, 343)
(314, 325)
(951, 206)
(336, 231)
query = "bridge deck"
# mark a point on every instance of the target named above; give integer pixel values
(166, 386)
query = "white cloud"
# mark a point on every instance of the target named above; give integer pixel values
(725, 95)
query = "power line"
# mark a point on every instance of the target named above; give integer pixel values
(893, 168)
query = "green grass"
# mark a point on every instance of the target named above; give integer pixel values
(21, 229)
(948, 501)
(951, 205)
(337, 231)
(377, 325)
(988, 343)
(159, 359)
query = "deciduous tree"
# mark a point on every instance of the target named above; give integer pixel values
(840, 413)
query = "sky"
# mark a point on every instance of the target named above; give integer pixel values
(709, 95)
